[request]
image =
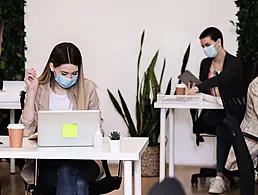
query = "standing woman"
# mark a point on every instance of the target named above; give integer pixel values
(61, 86)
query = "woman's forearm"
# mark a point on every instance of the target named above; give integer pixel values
(28, 111)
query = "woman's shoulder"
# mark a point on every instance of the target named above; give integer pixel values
(253, 86)
(89, 84)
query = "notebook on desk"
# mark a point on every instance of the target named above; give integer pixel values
(67, 128)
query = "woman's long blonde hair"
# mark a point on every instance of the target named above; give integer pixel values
(66, 53)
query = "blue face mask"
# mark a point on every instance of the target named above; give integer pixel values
(210, 51)
(65, 82)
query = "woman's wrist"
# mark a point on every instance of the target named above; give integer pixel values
(31, 94)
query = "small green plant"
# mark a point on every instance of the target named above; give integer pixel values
(114, 135)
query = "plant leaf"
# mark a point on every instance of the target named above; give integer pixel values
(151, 71)
(140, 100)
(117, 107)
(185, 61)
(145, 92)
(139, 61)
(186, 58)
(168, 91)
(162, 72)
(154, 61)
(132, 129)
(137, 105)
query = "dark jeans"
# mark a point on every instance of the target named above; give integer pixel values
(224, 143)
(211, 122)
(68, 177)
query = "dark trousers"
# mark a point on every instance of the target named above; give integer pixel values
(68, 177)
(211, 122)
(208, 121)
(224, 143)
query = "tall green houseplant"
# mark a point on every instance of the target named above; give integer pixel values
(247, 28)
(12, 61)
(147, 117)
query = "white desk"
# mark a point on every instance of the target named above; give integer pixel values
(131, 150)
(164, 105)
(10, 101)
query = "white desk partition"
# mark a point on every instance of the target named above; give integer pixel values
(13, 86)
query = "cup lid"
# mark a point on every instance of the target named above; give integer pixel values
(181, 85)
(15, 126)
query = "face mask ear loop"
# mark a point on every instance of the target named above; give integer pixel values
(69, 59)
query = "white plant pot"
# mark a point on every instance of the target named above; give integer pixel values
(114, 145)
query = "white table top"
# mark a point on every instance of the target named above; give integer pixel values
(131, 149)
(185, 105)
(198, 101)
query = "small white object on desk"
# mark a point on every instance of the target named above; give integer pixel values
(98, 139)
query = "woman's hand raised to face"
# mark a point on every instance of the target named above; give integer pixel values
(31, 79)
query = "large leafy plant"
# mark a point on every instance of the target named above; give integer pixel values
(12, 60)
(147, 117)
(246, 28)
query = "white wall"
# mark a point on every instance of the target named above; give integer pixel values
(108, 35)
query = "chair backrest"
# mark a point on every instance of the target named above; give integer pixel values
(234, 105)
(243, 157)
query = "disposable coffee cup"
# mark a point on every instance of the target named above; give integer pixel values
(15, 135)
(180, 89)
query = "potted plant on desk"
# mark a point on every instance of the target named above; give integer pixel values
(147, 117)
(114, 141)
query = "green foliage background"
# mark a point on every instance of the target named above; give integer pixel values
(247, 28)
(12, 60)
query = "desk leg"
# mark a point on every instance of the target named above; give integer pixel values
(162, 161)
(171, 143)
(36, 188)
(12, 160)
(128, 178)
(137, 178)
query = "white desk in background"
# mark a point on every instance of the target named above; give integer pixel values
(169, 102)
(131, 151)
(10, 101)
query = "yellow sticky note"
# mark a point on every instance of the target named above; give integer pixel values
(70, 131)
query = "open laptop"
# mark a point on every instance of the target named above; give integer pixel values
(67, 128)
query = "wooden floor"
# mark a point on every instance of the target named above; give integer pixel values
(13, 184)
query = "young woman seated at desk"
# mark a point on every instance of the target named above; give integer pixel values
(248, 125)
(220, 73)
(60, 87)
